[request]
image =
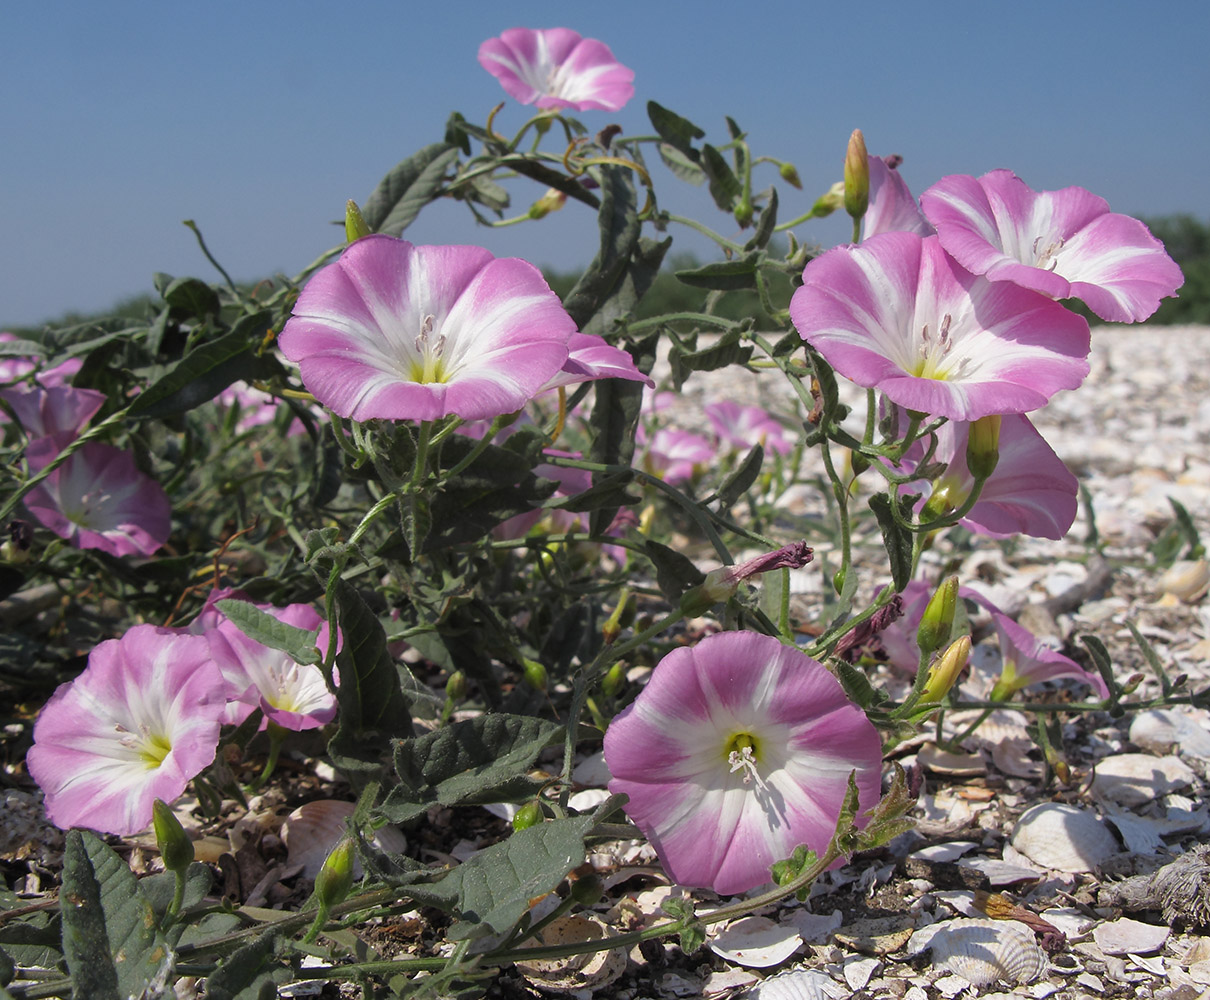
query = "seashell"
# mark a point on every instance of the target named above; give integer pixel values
(941, 761)
(1134, 779)
(756, 942)
(982, 951)
(1162, 730)
(313, 829)
(1063, 837)
(797, 984)
(1187, 580)
(1129, 937)
(576, 972)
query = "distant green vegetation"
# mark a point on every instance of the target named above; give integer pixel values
(1187, 240)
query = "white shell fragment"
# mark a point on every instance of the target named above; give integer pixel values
(1187, 580)
(756, 942)
(797, 984)
(1063, 837)
(983, 951)
(313, 829)
(1129, 937)
(1134, 779)
(577, 972)
(1164, 730)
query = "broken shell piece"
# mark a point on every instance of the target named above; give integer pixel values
(1063, 837)
(756, 942)
(313, 829)
(1134, 779)
(576, 972)
(1187, 580)
(797, 984)
(941, 761)
(1125, 937)
(982, 951)
(1162, 730)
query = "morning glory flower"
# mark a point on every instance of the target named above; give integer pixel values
(742, 426)
(557, 68)
(1027, 660)
(98, 499)
(137, 725)
(1030, 492)
(401, 332)
(1060, 243)
(51, 417)
(293, 695)
(737, 751)
(897, 314)
(892, 208)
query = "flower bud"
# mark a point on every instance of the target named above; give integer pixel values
(983, 446)
(534, 674)
(176, 849)
(613, 680)
(856, 176)
(622, 617)
(456, 686)
(721, 584)
(789, 174)
(587, 889)
(355, 224)
(552, 201)
(829, 202)
(944, 500)
(528, 815)
(335, 878)
(1131, 684)
(946, 668)
(938, 618)
(743, 213)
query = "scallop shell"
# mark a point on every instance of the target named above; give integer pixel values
(590, 971)
(313, 829)
(982, 951)
(1064, 838)
(797, 984)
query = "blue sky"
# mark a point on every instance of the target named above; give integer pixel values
(258, 119)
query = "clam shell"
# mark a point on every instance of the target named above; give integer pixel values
(982, 951)
(577, 972)
(1063, 837)
(313, 829)
(1161, 730)
(1134, 779)
(756, 942)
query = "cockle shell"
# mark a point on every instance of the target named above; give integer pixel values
(797, 984)
(982, 951)
(313, 829)
(1063, 837)
(589, 971)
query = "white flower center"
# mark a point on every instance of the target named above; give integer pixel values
(148, 747)
(429, 365)
(742, 756)
(1046, 258)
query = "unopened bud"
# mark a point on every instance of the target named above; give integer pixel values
(552, 201)
(743, 213)
(456, 686)
(946, 668)
(944, 500)
(983, 446)
(856, 176)
(176, 849)
(622, 617)
(534, 674)
(938, 619)
(335, 878)
(789, 174)
(1132, 683)
(355, 224)
(613, 680)
(828, 203)
(528, 815)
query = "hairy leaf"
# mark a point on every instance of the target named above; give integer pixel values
(676, 131)
(724, 275)
(410, 185)
(297, 643)
(674, 573)
(896, 537)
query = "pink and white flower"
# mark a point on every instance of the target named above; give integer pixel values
(400, 332)
(52, 417)
(897, 314)
(1060, 243)
(293, 695)
(892, 208)
(138, 724)
(1030, 492)
(675, 455)
(743, 426)
(98, 499)
(557, 68)
(738, 750)
(1027, 660)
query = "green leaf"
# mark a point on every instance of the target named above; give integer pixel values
(372, 706)
(609, 492)
(249, 973)
(205, 371)
(477, 760)
(765, 224)
(724, 185)
(21, 349)
(160, 889)
(110, 938)
(491, 891)
(724, 275)
(726, 351)
(410, 185)
(740, 481)
(678, 132)
(618, 223)
(1152, 659)
(1100, 658)
(192, 298)
(693, 934)
(674, 572)
(297, 643)
(681, 165)
(855, 683)
(895, 537)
